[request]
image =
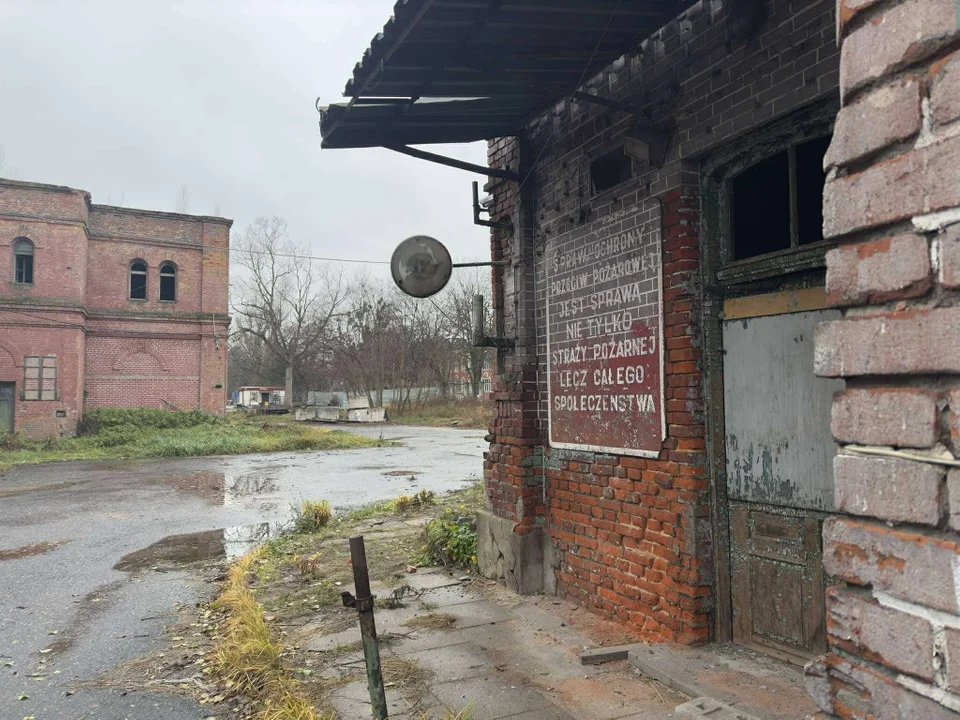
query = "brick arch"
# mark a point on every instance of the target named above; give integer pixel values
(8, 348)
(140, 349)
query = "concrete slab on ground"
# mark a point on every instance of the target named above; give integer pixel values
(749, 681)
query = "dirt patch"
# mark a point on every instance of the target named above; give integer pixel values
(402, 473)
(39, 548)
(18, 492)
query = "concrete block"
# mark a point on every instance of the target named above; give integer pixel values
(612, 653)
(515, 560)
(704, 707)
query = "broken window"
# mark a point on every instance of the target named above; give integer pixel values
(40, 377)
(610, 170)
(777, 204)
(168, 282)
(138, 280)
(23, 261)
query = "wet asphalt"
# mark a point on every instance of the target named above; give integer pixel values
(91, 554)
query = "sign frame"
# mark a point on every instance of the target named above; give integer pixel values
(586, 447)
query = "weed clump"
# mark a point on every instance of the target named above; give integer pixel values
(421, 499)
(312, 516)
(450, 539)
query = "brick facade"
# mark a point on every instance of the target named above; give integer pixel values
(111, 350)
(892, 204)
(630, 537)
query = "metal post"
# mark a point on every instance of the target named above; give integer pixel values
(368, 627)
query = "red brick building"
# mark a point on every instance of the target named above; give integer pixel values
(106, 307)
(730, 366)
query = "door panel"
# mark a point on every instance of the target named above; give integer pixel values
(777, 412)
(777, 580)
(779, 456)
(7, 399)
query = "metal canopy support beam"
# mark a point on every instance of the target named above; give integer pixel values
(452, 162)
(605, 102)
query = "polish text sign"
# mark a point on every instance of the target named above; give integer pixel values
(605, 334)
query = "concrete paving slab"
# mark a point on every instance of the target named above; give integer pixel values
(454, 662)
(754, 683)
(427, 578)
(352, 702)
(449, 595)
(492, 697)
(479, 612)
(550, 713)
(388, 622)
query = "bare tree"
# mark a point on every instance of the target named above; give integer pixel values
(183, 200)
(284, 299)
(456, 305)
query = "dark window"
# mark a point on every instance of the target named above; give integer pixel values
(40, 378)
(23, 261)
(138, 280)
(777, 204)
(168, 282)
(761, 208)
(610, 170)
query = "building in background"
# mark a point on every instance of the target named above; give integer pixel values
(259, 395)
(106, 307)
(727, 403)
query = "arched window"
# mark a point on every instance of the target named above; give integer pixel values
(23, 261)
(138, 280)
(168, 282)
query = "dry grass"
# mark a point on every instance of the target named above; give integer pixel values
(248, 658)
(466, 413)
(432, 621)
(312, 515)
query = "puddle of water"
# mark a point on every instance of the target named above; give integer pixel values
(222, 488)
(30, 550)
(401, 473)
(221, 544)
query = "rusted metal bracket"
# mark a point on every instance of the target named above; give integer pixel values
(454, 163)
(477, 209)
(605, 102)
(480, 339)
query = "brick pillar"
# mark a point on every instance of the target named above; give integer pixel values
(892, 202)
(511, 528)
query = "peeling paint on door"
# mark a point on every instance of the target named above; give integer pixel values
(777, 412)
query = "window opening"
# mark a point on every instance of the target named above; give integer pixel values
(40, 377)
(138, 281)
(777, 204)
(610, 170)
(23, 261)
(168, 283)
(810, 181)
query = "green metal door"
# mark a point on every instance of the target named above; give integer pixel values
(7, 396)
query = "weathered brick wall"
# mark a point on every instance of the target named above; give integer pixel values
(48, 333)
(112, 351)
(892, 202)
(630, 536)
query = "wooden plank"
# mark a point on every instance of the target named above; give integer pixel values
(778, 303)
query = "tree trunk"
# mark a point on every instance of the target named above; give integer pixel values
(288, 386)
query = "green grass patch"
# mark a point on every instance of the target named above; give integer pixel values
(130, 434)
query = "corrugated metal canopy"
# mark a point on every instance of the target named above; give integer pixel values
(497, 62)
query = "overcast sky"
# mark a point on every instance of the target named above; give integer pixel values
(130, 100)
